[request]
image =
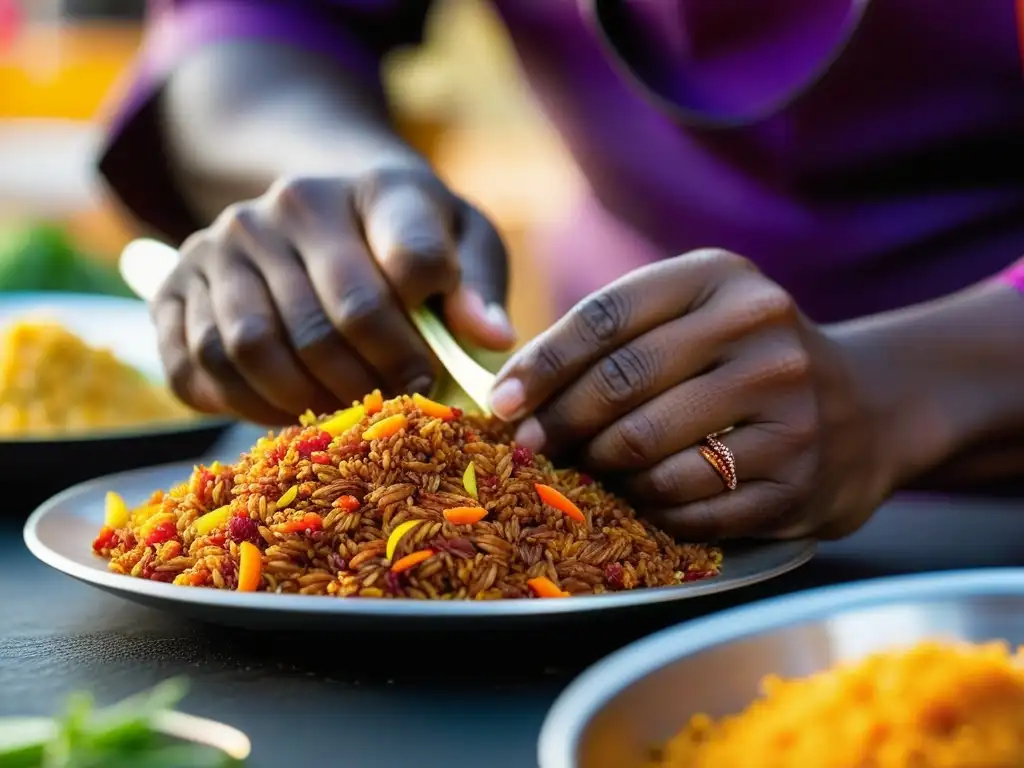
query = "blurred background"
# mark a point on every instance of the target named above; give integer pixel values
(458, 98)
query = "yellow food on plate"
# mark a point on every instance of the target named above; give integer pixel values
(935, 705)
(52, 382)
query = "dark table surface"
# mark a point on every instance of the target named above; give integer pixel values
(401, 699)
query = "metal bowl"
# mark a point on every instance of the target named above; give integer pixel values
(639, 697)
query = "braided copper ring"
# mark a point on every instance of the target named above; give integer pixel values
(717, 454)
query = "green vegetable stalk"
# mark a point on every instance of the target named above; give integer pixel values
(124, 735)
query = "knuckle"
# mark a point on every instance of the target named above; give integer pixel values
(359, 309)
(310, 331)
(170, 290)
(421, 258)
(717, 260)
(194, 246)
(793, 363)
(603, 316)
(803, 430)
(179, 375)
(374, 183)
(545, 362)
(784, 508)
(666, 483)
(770, 304)
(286, 189)
(209, 350)
(624, 374)
(637, 434)
(247, 338)
(291, 199)
(236, 223)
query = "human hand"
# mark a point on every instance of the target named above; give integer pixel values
(295, 300)
(632, 380)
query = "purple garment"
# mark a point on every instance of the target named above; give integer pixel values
(866, 155)
(1014, 275)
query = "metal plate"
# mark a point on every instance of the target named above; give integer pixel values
(60, 533)
(124, 326)
(639, 697)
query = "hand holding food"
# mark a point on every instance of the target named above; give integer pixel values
(643, 379)
(297, 299)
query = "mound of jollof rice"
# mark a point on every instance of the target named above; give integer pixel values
(315, 510)
(934, 705)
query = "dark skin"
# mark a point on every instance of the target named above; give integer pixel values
(828, 421)
(293, 299)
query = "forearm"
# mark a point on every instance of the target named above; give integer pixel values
(948, 377)
(237, 117)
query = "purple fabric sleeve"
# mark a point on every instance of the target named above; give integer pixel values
(1014, 275)
(133, 162)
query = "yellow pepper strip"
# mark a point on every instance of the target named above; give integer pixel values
(433, 409)
(288, 497)
(143, 513)
(396, 536)
(115, 511)
(385, 428)
(250, 567)
(343, 421)
(212, 520)
(469, 480)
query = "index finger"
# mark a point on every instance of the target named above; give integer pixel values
(604, 321)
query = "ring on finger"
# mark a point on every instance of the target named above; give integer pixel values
(717, 454)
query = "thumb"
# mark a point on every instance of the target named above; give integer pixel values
(475, 310)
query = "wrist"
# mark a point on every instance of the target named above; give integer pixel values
(939, 378)
(905, 415)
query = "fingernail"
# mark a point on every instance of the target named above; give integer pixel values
(498, 319)
(531, 434)
(507, 399)
(473, 304)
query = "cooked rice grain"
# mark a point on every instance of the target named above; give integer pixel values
(351, 494)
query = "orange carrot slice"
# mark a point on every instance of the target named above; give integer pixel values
(250, 567)
(347, 503)
(556, 499)
(373, 402)
(412, 560)
(545, 587)
(310, 521)
(433, 409)
(385, 428)
(465, 515)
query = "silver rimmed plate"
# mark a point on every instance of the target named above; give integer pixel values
(639, 697)
(60, 533)
(44, 465)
